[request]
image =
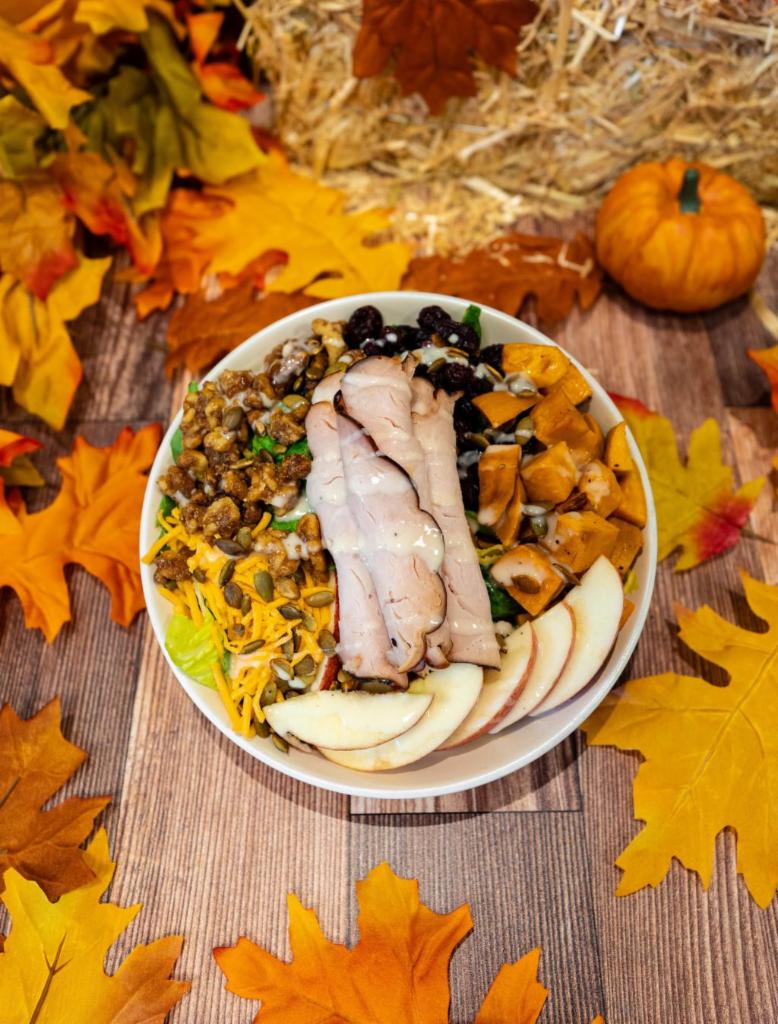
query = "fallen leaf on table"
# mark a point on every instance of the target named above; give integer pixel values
(39, 360)
(20, 128)
(767, 359)
(51, 969)
(103, 16)
(510, 269)
(36, 232)
(93, 522)
(711, 752)
(396, 973)
(35, 762)
(224, 229)
(696, 508)
(222, 82)
(434, 41)
(16, 470)
(30, 60)
(199, 332)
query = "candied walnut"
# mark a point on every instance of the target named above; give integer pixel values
(177, 481)
(310, 530)
(194, 462)
(219, 440)
(235, 484)
(213, 411)
(169, 565)
(192, 517)
(285, 498)
(222, 517)
(294, 467)
(232, 382)
(279, 562)
(263, 482)
(252, 513)
(284, 428)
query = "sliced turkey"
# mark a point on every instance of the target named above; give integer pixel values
(400, 543)
(364, 645)
(468, 612)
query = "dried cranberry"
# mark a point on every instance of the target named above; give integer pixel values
(435, 320)
(470, 488)
(492, 355)
(456, 377)
(363, 324)
(463, 336)
(372, 348)
(403, 337)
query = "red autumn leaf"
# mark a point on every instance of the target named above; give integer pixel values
(222, 82)
(510, 269)
(434, 41)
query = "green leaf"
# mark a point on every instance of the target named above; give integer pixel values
(262, 444)
(299, 448)
(502, 604)
(472, 318)
(226, 661)
(20, 128)
(177, 444)
(290, 525)
(192, 648)
(193, 387)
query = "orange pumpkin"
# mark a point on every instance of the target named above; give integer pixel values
(680, 236)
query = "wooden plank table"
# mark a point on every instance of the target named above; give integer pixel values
(210, 840)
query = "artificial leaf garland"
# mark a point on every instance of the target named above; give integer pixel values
(36, 761)
(711, 752)
(16, 470)
(93, 521)
(433, 42)
(696, 507)
(767, 359)
(396, 973)
(51, 968)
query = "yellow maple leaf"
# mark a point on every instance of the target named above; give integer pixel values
(20, 127)
(39, 360)
(36, 233)
(396, 974)
(35, 761)
(696, 507)
(51, 968)
(30, 60)
(711, 752)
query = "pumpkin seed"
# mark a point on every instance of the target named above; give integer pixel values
(233, 595)
(255, 645)
(263, 584)
(539, 526)
(268, 695)
(327, 641)
(170, 585)
(525, 428)
(232, 418)
(296, 686)
(244, 538)
(290, 612)
(229, 547)
(320, 598)
(527, 584)
(287, 587)
(281, 668)
(376, 686)
(437, 365)
(308, 621)
(292, 401)
(288, 647)
(480, 439)
(280, 743)
(239, 629)
(199, 575)
(344, 676)
(306, 666)
(225, 573)
(263, 730)
(245, 604)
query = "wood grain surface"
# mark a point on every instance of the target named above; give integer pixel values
(211, 841)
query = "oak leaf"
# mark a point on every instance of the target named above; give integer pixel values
(36, 233)
(15, 470)
(93, 522)
(767, 360)
(434, 42)
(711, 752)
(39, 360)
(696, 508)
(51, 968)
(200, 331)
(36, 761)
(510, 269)
(30, 59)
(396, 974)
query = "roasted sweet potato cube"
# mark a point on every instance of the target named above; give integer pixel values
(498, 470)
(507, 529)
(632, 506)
(551, 475)
(501, 406)
(529, 577)
(599, 484)
(629, 544)
(543, 364)
(626, 611)
(591, 444)
(556, 419)
(577, 539)
(617, 454)
(573, 385)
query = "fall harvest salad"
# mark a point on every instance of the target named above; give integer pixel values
(390, 540)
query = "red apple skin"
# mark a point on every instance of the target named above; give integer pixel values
(332, 663)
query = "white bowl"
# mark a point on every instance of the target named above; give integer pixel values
(490, 757)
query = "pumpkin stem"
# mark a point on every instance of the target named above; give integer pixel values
(689, 197)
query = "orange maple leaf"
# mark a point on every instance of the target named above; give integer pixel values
(222, 82)
(36, 233)
(711, 752)
(434, 42)
(35, 761)
(397, 973)
(93, 521)
(199, 331)
(767, 360)
(510, 269)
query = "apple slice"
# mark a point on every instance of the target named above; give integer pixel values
(596, 606)
(347, 720)
(325, 677)
(554, 632)
(502, 687)
(453, 690)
